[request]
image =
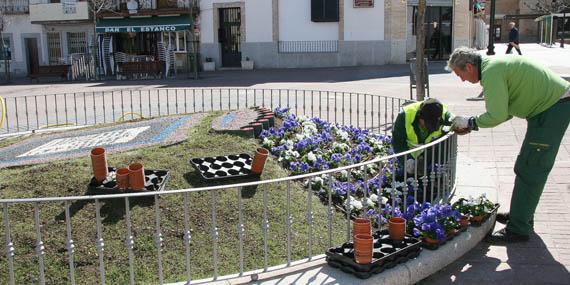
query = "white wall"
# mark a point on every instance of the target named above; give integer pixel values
(17, 25)
(207, 21)
(259, 21)
(364, 24)
(295, 23)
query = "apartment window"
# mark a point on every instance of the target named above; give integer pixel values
(5, 49)
(76, 42)
(176, 40)
(54, 48)
(324, 10)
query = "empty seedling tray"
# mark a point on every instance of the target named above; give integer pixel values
(386, 254)
(224, 167)
(155, 180)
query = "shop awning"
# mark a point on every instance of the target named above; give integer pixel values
(144, 25)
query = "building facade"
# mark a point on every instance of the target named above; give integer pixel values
(327, 33)
(268, 33)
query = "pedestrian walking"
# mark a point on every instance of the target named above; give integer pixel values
(513, 39)
(520, 87)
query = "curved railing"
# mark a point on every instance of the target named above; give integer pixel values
(361, 110)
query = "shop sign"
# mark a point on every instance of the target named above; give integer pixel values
(139, 29)
(363, 3)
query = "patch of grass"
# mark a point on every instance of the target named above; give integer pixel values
(70, 177)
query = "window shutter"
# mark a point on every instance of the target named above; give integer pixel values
(324, 10)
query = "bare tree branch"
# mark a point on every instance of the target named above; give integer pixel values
(548, 6)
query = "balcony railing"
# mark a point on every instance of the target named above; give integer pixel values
(15, 6)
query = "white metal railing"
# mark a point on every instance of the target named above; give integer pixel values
(361, 110)
(308, 46)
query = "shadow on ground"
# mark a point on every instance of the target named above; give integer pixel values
(240, 78)
(524, 263)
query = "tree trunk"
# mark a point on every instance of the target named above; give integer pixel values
(420, 51)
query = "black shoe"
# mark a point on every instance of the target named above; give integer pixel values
(506, 236)
(502, 218)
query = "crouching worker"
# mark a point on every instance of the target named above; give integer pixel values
(417, 124)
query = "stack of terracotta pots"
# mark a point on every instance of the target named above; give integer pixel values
(363, 240)
(132, 177)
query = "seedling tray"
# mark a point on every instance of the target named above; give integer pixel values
(386, 254)
(224, 167)
(155, 180)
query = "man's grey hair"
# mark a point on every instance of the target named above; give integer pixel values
(461, 56)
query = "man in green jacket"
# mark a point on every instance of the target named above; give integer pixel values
(520, 87)
(417, 124)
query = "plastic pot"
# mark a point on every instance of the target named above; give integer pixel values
(136, 176)
(361, 227)
(363, 247)
(397, 228)
(99, 163)
(122, 176)
(431, 241)
(259, 160)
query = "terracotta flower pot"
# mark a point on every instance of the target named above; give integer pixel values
(136, 176)
(397, 228)
(99, 163)
(363, 246)
(431, 241)
(361, 227)
(477, 219)
(464, 221)
(122, 176)
(259, 160)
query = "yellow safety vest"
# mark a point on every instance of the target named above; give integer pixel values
(411, 136)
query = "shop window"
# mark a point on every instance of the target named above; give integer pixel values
(76, 42)
(5, 49)
(54, 48)
(175, 40)
(324, 10)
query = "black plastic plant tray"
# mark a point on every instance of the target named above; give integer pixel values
(386, 254)
(224, 167)
(154, 182)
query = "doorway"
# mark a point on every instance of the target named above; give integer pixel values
(438, 32)
(229, 36)
(32, 55)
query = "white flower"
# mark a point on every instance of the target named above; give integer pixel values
(299, 136)
(311, 156)
(369, 202)
(355, 204)
(384, 200)
(318, 180)
(344, 174)
(268, 143)
(289, 144)
(374, 197)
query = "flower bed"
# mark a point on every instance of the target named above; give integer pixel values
(305, 145)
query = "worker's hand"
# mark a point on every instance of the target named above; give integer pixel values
(462, 131)
(410, 166)
(460, 123)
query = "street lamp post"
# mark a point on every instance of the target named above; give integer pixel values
(562, 35)
(491, 46)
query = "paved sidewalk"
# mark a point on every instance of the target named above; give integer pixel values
(543, 260)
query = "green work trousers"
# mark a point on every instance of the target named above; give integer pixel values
(534, 162)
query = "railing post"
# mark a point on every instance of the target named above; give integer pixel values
(9, 246)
